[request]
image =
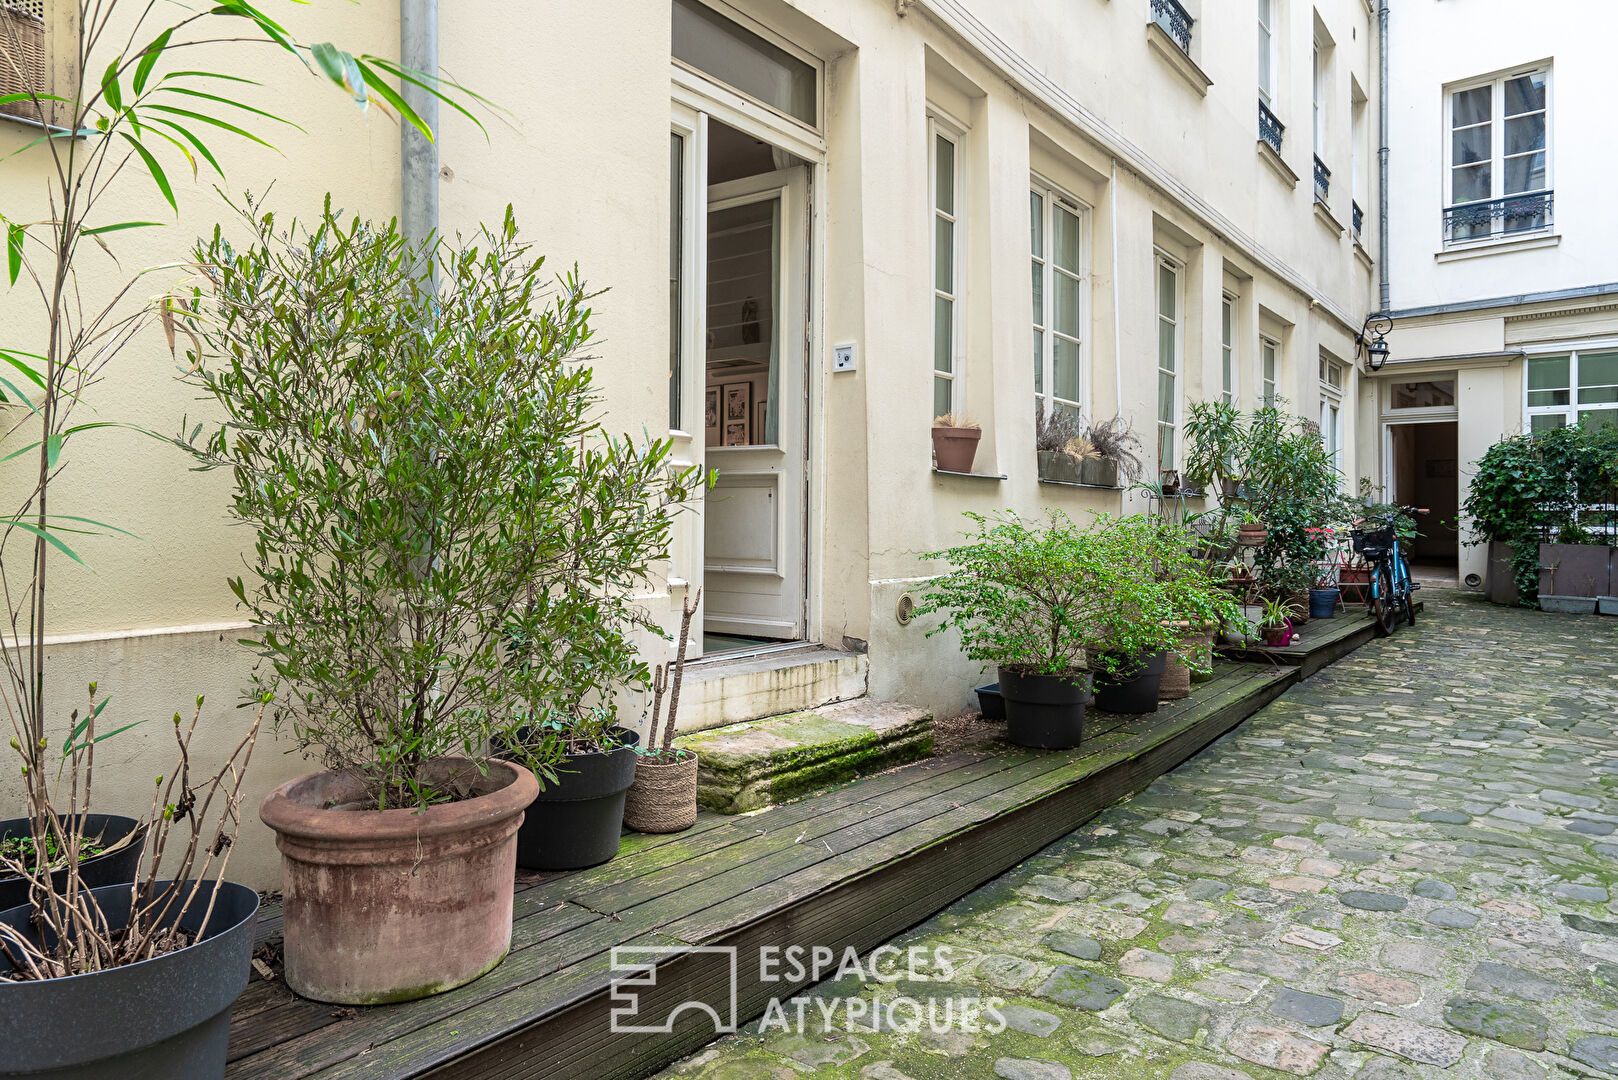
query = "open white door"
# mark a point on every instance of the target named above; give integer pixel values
(757, 262)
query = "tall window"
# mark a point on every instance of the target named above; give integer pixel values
(1227, 350)
(1319, 96)
(1331, 409)
(1168, 359)
(1269, 365)
(946, 271)
(676, 259)
(1057, 243)
(1574, 387)
(1499, 157)
(1266, 52)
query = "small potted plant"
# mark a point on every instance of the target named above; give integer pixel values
(1325, 593)
(1252, 532)
(663, 798)
(955, 442)
(1275, 621)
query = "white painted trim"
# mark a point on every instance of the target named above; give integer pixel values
(953, 16)
(145, 632)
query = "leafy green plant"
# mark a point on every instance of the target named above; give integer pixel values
(1277, 610)
(1051, 598)
(1215, 438)
(448, 544)
(137, 104)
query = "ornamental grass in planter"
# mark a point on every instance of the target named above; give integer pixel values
(442, 535)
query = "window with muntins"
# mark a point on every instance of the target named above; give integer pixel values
(1056, 242)
(1331, 409)
(741, 59)
(1227, 350)
(1266, 52)
(946, 271)
(1576, 387)
(1269, 363)
(1168, 360)
(1498, 174)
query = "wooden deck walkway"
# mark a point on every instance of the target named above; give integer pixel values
(849, 867)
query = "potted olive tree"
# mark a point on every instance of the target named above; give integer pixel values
(433, 505)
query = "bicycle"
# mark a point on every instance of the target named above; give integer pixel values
(1391, 588)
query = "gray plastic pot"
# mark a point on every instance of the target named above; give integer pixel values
(112, 868)
(167, 1018)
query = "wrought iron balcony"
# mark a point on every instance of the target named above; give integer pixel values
(1175, 20)
(1497, 217)
(1322, 179)
(1270, 128)
(1359, 219)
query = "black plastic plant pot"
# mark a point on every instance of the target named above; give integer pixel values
(112, 868)
(1134, 687)
(990, 702)
(167, 1018)
(578, 821)
(1045, 712)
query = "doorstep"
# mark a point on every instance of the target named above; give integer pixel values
(761, 762)
(847, 868)
(729, 690)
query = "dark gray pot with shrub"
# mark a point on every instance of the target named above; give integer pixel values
(117, 843)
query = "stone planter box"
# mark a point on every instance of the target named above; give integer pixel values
(1096, 472)
(1607, 605)
(1568, 605)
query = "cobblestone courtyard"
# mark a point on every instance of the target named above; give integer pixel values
(1405, 867)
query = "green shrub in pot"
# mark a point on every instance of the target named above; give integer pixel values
(445, 543)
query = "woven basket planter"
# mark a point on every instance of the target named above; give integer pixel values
(1177, 674)
(23, 69)
(663, 798)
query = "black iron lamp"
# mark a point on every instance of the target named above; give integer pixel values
(1371, 342)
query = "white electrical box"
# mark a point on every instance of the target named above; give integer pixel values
(842, 358)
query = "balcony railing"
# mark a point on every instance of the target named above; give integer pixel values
(1175, 20)
(1359, 219)
(1322, 179)
(1497, 217)
(1270, 128)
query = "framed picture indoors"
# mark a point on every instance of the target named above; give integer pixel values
(738, 416)
(710, 412)
(761, 409)
(736, 434)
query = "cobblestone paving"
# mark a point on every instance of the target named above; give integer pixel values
(1405, 867)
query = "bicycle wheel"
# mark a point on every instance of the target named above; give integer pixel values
(1384, 605)
(1409, 598)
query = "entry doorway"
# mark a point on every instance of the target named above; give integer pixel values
(1423, 470)
(755, 236)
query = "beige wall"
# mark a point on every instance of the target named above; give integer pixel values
(582, 155)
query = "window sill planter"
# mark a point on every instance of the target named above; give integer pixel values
(393, 905)
(165, 1017)
(578, 821)
(1065, 469)
(1045, 712)
(109, 868)
(954, 448)
(1134, 690)
(663, 798)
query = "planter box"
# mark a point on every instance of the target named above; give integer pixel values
(1502, 586)
(1097, 472)
(1568, 605)
(1575, 570)
(1607, 605)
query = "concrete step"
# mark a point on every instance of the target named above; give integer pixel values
(728, 690)
(754, 764)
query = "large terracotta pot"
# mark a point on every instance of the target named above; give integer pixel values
(954, 448)
(393, 905)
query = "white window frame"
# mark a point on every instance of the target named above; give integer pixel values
(1166, 261)
(1268, 53)
(1497, 146)
(1229, 358)
(941, 127)
(689, 320)
(1269, 382)
(1331, 407)
(1052, 199)
(1318, 94)
(1570, 411)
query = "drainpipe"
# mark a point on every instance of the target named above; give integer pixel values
(1382, 153)
(418, 156)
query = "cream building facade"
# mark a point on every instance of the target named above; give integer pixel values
(821, 222)
(1503, 263)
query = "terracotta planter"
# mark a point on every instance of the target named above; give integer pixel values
(394, 905)
(1177, 674)
(1252, 534)
(663, 798)
(1278, 636)
(954, 448)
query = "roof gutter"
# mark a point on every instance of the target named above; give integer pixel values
(1382, 155)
